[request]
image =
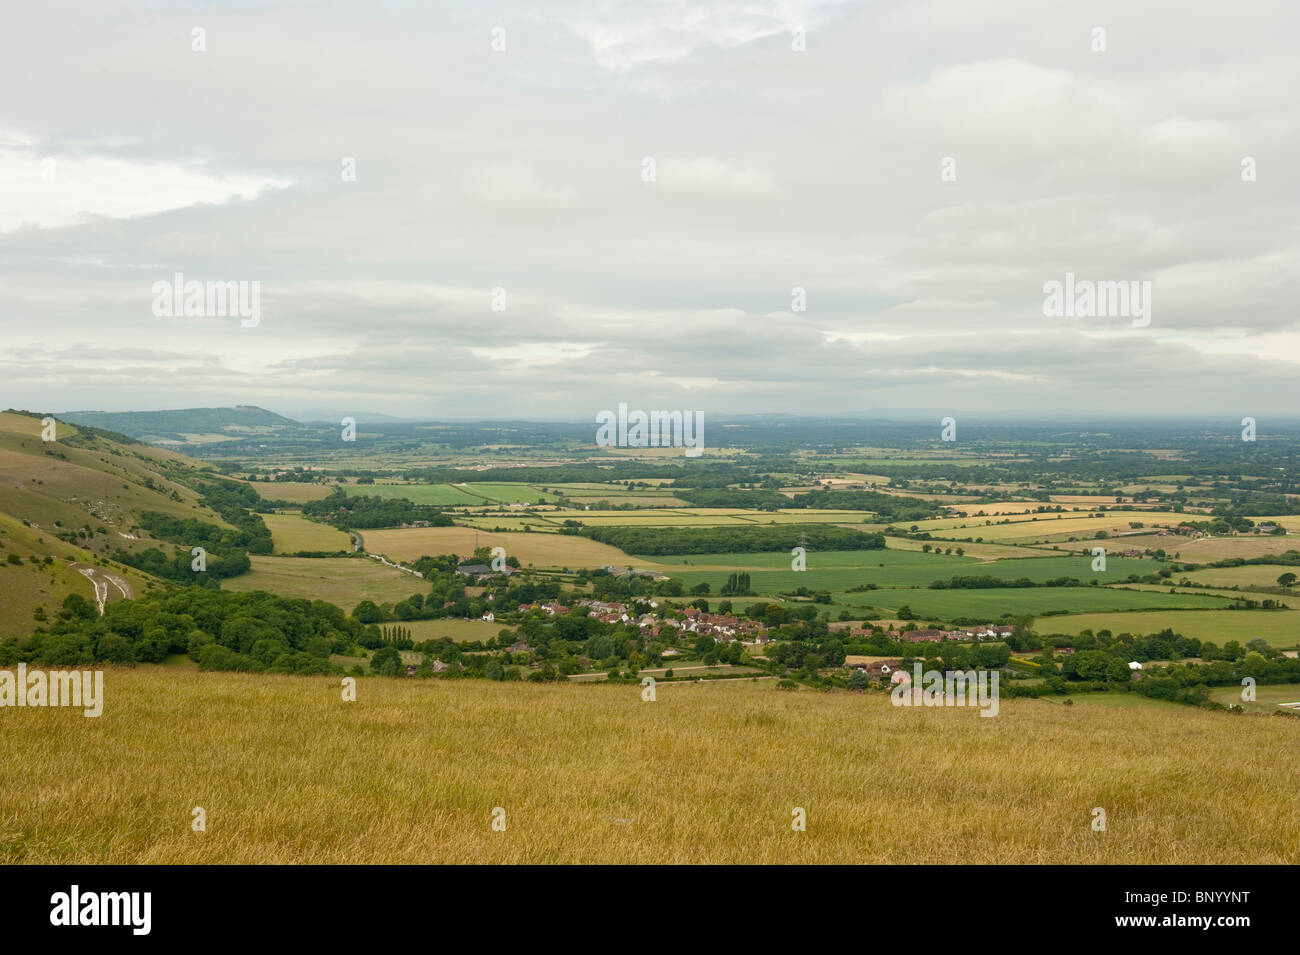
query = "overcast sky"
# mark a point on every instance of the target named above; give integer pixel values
(775, 168)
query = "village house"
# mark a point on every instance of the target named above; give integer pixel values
(921, 636)
(633, 572)
(611, 612)
(483, 570)
(877, 669)
(722, 627)
(882, 669)
(989, 632)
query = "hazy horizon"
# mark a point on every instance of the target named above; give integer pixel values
(919, 416)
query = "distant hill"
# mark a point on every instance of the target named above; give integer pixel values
(71, 507)
(176, 425)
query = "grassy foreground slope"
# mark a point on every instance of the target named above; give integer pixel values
(708, 773)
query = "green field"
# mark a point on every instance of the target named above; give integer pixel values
(829, 559)
(459, 630)
(1247, 578)
(295, 492)
(840, 570)
(1268, 698)
(944, 604)
(292, 533)
(442, 494)
(468, 494)
(344, 581)
(593, 494)
(511, 493)
(1279, 628)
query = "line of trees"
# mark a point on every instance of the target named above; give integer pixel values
(732, 540)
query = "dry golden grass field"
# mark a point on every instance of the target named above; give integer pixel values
(1034, 528)
(1278, 628)
(411, 772)
(344, 581)
(542, 550)
(1206, 549)
(453, 627)
(296, 492)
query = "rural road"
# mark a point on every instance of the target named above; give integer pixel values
(406, 570)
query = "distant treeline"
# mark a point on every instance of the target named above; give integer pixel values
(987, 582)
(732, 540)
(564, 474)
(888, 507)
(348, 512)
(733, 497)
(1289, 559)
(693, 474)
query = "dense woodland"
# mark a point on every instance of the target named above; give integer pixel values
(652, 541)
(349, 512)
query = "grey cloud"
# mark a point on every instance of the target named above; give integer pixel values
(776, 169)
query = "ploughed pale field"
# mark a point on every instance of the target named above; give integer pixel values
(411, 772)
(543, 550)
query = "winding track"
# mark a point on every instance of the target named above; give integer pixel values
(100, 580)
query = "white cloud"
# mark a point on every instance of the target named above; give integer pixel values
(711, 178)
(516, 188)
(665, 31)
(50, 190)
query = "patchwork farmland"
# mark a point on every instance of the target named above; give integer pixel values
(737, 585)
